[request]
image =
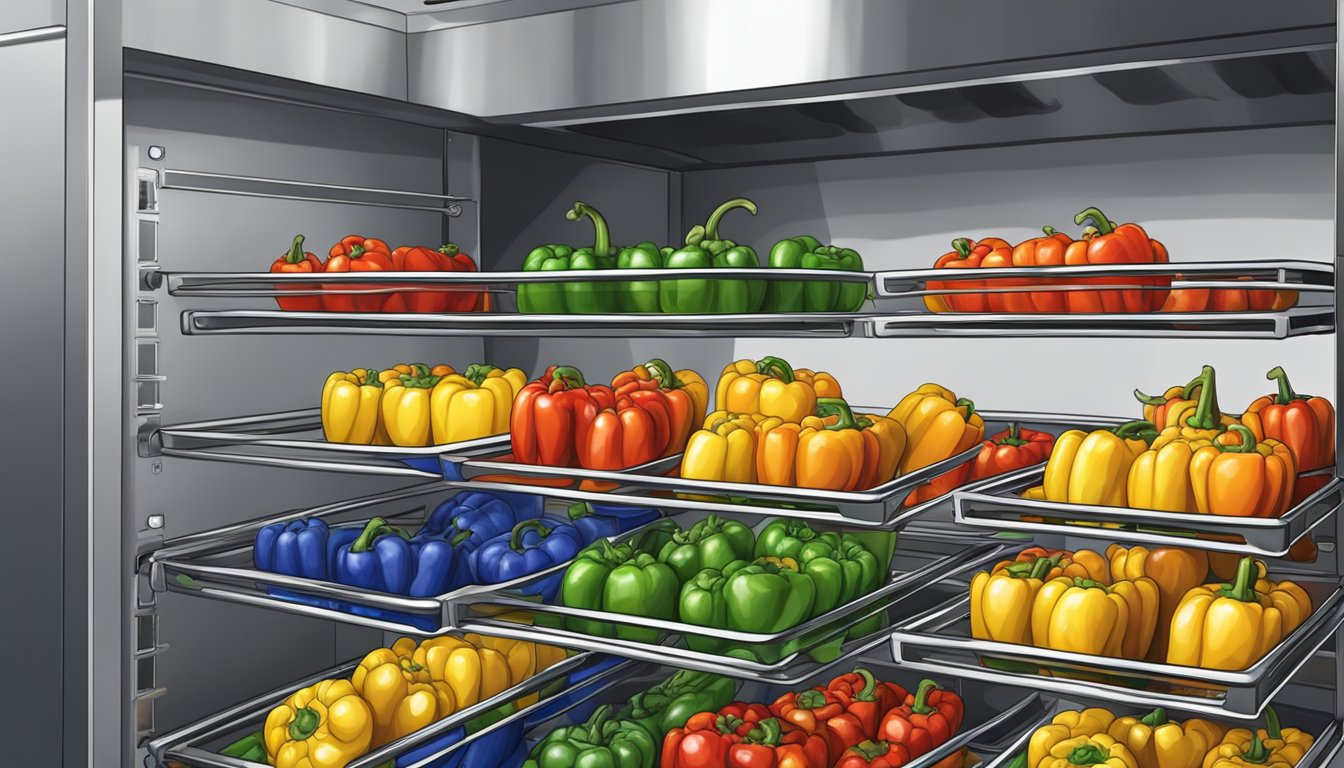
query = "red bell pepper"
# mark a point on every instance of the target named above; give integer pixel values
(298, 261)
(926, 719)
(1013, 448)
(416, 258)
(875, 754)
(356, 253)
(866, 701)
(684, 415)
(553, 415)
(965, 254)
(1105, 242)
(624, 435)
(811, 711)
(459, 300)
(741, 736)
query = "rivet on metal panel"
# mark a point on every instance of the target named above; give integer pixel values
(157, 153)
(454, 210)
(155, 521)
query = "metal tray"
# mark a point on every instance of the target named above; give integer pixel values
(933, 556)
(293, 439)
(1299, 321)
(656, 483)
(195, 744)
(997, 505)
(940, 641)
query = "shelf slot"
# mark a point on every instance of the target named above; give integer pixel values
(311, 192)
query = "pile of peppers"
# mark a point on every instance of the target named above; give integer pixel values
(1136, 603)
(1098, 737)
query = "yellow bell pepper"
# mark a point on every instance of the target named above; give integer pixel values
(1093, 468)
(350, 407)
(524, 658)
(1001, 601)
(474, 405)
(406, 409)
(326, 725)
(1231, 626)
(1252, 479)
(1083, 563)
(1271, 746)
(473, 673)
(1157, 742)
(938, 425)
(401, 693)
(1174, 570)
(772, 387)
(1194, 406)
(1069, 724)
(725, 450)
(1086, 616)
(1080, 751)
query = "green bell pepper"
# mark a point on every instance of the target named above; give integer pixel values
(710, 543)
(575, 297)
(602, 742)
(640, 296)
(544, 298)
(818, 295)
(785, 537)
(766, 597)
(704, 250)
(703, 603)
(251, 747)
(618, 579)
(843, 571)
(671, 703)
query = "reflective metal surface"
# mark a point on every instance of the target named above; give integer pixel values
(31, 14)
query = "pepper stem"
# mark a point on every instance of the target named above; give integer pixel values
(1049, 231)
(1155, 718)
(375, 528)
(295, 254)
(569, 376)
(834, 406)
(1149, 399)
(777, 367)
(1286, 393)
(1256, 753)
(968, 405)
(595, 723)
(766, 733)
(601, 236)
(1139, 430)
(1247, 440)
(1206, 415)
(1014, 436)
(579, 509)
(1243, 587)
(921, 705)
(477, 373)
(1087, 754)
(663, 374)
(712, 225)
(1272, 728)
(1103, 225)
(356, 251)
(521, 529)
(962, 246)
(869, 690)
(1082, 583)
(811, 699)
(450, 249)
(870, 750)
(1042, 566)
(305, 724)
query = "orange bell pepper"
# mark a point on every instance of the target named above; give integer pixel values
(1047, 251)
(835, 451)
(965, 254)
(356, 253)
(938, 426)
(1252, 479)
(1104, 242)
(1228, 299)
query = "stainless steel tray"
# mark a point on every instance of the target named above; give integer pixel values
(651, 484)
(1299, 321)
(940, 641)
(921, 559)
(293, 439)
(997, 505)
(195, 744)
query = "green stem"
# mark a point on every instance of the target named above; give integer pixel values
(601, 237)
(1099, 220)
(1243, 587)
(834, 406)
(811, 699)
(1272, 727)
(777, 367)
(968, 405)
(1207, 415)
(305, 724)
(1256, 753)
(295, 254)
(921, 705)
(1149, 399)
(1042, 566)
(727, 724)
(1247, 440)
(595, 723)
(712, 225)
(356, 251)
(869, 690)
(450, 249)
(962, 246)
(1139, 430)
(375, 528)
(1087, 754)
(1286, 393)
(1082, 583)
(663, 374)
(461, 537)
(477, 373)
(371, 378)
(579, 509)
(870, 750)
(571, 377)
(521, 529)
(1049, 231)
(766, 733)
(1014, 436)
(1155, 718)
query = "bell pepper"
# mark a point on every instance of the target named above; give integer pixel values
(1253, 479)
(672, 702)
(1104, 242)
(1272, 745)
(574, 297)
(1174, 570)
(633, 430)
(818, 294)
(965, 254)
(1195, 406)
(251, 747)
(1001, 601)
(925, 721)
(1161, 477)
(350, 407)
(874, 754)
(866, 702)
(531, 547)
(544, 298)
(406, 411)
(741, 736)
(1304, 423)
(1231, 626)
(601, 742)
(619, 580)
(1082, 751)
(1083, 563)
(295, 548)
(1069, 724)
(686, 393)
(772, 387)
(1085, 616)
(475, 404)
(356, 253)
(387, 559)
(836, 451)
(297, 261)
(1093, 468)
(938, 425)
(554, 415)
(768, 597)
(1156, 742)
(326, 725)
(474, 673)
(417, 258)
(1045, 251)
(400, 693)
(702, 602)
(1247, 299)
(1013, 448)
(704, 250)
(724, 451)
(711, 543)
(640, 296)
(480, 516)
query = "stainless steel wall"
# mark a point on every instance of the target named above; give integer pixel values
(1264, 194)
(31, 14)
